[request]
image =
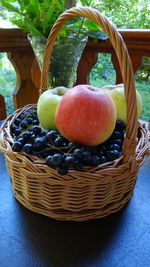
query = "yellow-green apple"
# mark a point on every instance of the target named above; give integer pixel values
(47, 104)
(59, 90)
(86, 115)
(118, 96)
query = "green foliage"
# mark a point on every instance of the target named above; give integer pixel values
(125, 14)
(34, 16)
(7, 82)
(38, 16)
(103, 72)
(144, 89)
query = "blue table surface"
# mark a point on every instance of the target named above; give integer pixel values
(28, 239)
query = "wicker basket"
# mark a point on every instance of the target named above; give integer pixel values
(94, 192)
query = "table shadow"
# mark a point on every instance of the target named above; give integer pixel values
(69, 243)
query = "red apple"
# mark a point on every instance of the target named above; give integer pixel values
(86, 115)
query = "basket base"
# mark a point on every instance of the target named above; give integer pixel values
(84, 215)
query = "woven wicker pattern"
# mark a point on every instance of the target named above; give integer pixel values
(94, 192)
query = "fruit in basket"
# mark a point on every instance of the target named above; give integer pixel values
(59, 90)
(118, 96)
(86, 114)
(47, 104)
(59, 153)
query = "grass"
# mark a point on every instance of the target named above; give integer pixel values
(103, 73)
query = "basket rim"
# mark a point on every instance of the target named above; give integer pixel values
(6, 140)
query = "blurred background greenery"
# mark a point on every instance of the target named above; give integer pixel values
(124, 14)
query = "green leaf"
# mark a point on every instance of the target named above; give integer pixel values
(84, 2)
(89, 24)
(33, 9)
(32, 30)
(48, 17)
(99, 35)
(23, 4)
(60, 3)
(9, 6)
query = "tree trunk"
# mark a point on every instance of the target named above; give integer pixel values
(70, 3)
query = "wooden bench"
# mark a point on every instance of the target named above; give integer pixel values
(21, 55)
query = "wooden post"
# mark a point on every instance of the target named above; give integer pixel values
(25, 91)
(2, 108)
(87, 61)
(69, 3)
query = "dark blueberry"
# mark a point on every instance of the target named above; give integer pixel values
(44, 154)
(101, 153)
(109, 141)
(17, 146)
(58, 141)
(35, 122)
(29, 120)
(26, 135)
(120, 125)
(34, 113)
(113, 154)
(21, 140)
(36, 129)
(43, 132)
(79, 166)
(13, 128)
(21, 116)
(70, 161)
(87, 157)
(95, 160)
(51, 135)
(72, 145)
(54, 132)
(114, 147)
(78, 152)
(24, 124)
(49, 161)
(65, 144)
(64, 141)
(103, 148)
(28, 148)
(123, 133)
(24, 114)
(62, 170)
(116, 135)
(17, 121)
(32, 138)
(93, 149)
(103, 159)
(118, 142)
(30, 115)
(39, 144)
(58, 159)
(17, 131)
(30, 128)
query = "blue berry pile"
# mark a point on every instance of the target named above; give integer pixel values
(58, 152)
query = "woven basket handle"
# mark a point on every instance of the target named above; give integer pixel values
(124, 62)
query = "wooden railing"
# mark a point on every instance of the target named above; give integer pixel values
(20, 53)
